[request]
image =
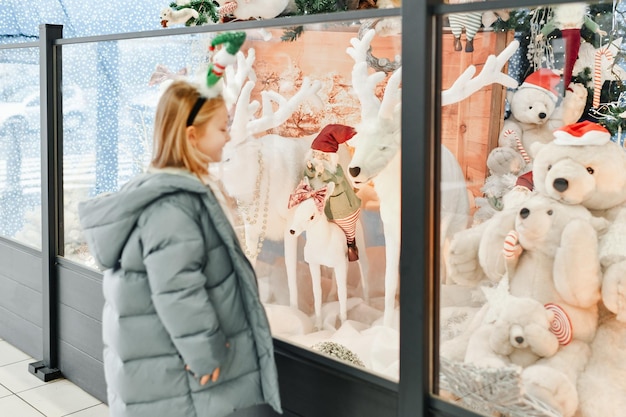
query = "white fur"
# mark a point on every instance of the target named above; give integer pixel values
(326, 245)
(571, 15)
(377, 158)
(268, 168)
(173, 17)
(257, 9)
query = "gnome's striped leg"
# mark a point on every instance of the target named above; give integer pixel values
(348, 225)
(471, 22)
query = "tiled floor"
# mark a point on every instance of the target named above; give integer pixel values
(25, 395)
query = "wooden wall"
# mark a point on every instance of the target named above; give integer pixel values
(470, 128)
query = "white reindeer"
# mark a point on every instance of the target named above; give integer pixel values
(260, 173)
(326, 245)
(377, 152)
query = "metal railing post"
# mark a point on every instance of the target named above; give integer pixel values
(51, 196)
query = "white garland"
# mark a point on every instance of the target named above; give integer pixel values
(491, 391)
(540, 50)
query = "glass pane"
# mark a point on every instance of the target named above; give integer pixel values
(300, 92)
(529, 286)
(20, 166)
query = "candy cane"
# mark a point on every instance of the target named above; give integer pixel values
(518, 142)
(597, 73)
(511, 248)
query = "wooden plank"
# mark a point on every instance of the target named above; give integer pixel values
(471, 127)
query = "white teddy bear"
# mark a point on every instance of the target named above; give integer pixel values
(582, 166)
(519, 332)
(551, 256)
(536, 110)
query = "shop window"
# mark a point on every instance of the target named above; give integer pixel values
(303, 81)
(20, 166)
(530, 305)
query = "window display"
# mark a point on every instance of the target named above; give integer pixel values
(312, 222)
(288, 107)
(532, 318)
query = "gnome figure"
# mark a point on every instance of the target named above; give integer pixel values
(569, 19)
(322, 166)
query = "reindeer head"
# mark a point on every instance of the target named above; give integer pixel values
(309, 205)
(377, 141)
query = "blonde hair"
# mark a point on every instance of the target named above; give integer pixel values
(171, 147)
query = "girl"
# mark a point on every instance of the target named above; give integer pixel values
(184, 331)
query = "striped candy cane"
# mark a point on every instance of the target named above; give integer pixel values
(511, 248)
(518, 143)
(597, 73)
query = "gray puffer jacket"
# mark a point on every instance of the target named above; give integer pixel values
(178, 290)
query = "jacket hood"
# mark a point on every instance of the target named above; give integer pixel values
(107, 220)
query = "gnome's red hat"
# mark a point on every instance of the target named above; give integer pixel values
(331, 136)
(544, 79)
(581, 134)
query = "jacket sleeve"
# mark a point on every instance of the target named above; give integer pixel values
(174, 253)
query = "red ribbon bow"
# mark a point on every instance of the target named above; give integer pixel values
(304, 191)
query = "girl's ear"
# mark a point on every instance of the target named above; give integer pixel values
(191, 134)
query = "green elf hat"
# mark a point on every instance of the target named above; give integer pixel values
(227, 55)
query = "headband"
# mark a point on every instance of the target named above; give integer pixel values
(194, 111)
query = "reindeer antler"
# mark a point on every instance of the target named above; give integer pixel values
(244, 111)
(467, 84)
(271, 118)
(235, 76)
(364, 84)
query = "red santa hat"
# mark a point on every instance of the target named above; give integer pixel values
(544, 79)
(331, 136)
(581, 134)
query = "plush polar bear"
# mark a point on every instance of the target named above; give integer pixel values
(583, 167)
(551, 256)
(535, 113)
(519, 334)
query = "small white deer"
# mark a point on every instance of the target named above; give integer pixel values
(377, 151)
(326, 245)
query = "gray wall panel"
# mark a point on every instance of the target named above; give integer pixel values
(21, 333)
(83, 370)
(80, 331)
(21, 300)
(20, 263)
(81, 292)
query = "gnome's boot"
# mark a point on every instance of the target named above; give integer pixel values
(469, 45)
(457, 44)
(353, 252)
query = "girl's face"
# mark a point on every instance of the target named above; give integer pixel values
(211, 138)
